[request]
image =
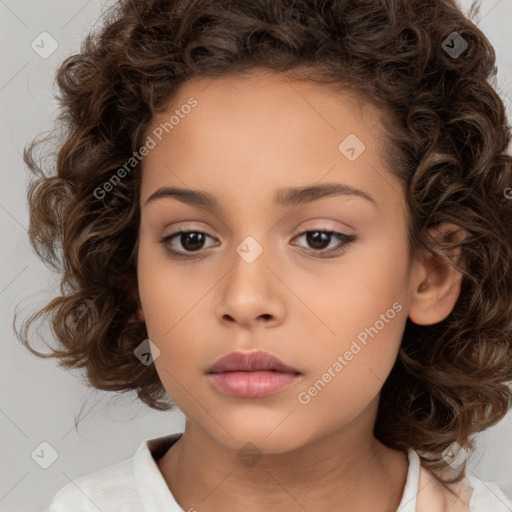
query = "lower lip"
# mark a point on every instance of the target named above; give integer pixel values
(252, 384)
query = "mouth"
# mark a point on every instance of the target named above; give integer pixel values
(251, 375)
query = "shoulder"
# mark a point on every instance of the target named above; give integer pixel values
(127, 486)
(100, 490)
(468, 495)
(487, 496)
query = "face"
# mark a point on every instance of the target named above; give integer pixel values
(252, 270)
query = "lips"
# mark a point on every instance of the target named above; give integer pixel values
(250, 362)
(251, 375)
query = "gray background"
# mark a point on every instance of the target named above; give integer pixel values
(39, 401)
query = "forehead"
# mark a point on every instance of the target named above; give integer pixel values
(263, 129)
(272, 94)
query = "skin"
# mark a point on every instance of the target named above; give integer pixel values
(247, 137)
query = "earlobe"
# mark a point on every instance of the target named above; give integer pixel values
(435, 282)
(140, 314)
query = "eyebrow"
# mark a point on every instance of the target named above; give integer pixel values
(291, 196)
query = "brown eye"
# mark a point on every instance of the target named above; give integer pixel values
(319, 240)
(182, 242)
(191, 240)
(188, 244)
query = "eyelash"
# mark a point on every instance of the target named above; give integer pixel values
(345, 241)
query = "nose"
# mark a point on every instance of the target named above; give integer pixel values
(251, 293)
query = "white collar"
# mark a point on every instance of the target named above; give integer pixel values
(422, 492)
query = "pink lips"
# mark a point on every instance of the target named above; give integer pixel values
(251, 374)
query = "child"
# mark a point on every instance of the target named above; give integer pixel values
(342, 326)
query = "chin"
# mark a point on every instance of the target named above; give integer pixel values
(258, 437)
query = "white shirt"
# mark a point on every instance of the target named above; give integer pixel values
(137, 485)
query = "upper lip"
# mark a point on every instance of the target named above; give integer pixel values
(249, 361)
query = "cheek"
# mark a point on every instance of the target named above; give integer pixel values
(364, 308)
(365, 286)
(172, 299)
(168, 293)
(350, 372)
(374, 279)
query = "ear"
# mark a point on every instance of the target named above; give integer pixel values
(435, 282)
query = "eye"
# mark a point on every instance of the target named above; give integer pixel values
(320, 239)
(191, 241)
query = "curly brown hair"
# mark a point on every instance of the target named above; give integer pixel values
(448, 145)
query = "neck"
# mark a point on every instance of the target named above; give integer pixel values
(344, 470)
